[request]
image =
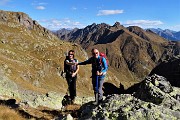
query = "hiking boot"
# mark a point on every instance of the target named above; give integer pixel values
(73, 100)
(100, 101)
(95, 103)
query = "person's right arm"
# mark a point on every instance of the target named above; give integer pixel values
(69, 63)
(86, 62)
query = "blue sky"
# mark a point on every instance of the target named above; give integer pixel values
(57, 14)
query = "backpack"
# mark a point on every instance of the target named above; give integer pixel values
(69, 68)
(103, 55)
(98, 64)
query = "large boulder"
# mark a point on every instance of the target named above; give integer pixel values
(155, 99)
(169, 69)
(153, 89)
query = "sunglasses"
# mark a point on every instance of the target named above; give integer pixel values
(95, 53)
(71, 54)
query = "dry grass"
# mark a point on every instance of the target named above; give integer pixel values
(9, 114)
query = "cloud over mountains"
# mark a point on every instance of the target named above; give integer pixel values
(143, 23)
(109, 12)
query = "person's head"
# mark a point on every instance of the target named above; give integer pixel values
(95, 52)
(71, 54)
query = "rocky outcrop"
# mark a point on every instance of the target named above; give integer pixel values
(15, 19)
(170, 69)
(155, 99)
(8, 87)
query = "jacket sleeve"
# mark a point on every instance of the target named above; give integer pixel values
(105, 68)
(89, 61)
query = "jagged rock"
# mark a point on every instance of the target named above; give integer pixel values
(68, 117)
(153, 89)
(155, 100)
(127, 107)
(169, 69)
(8, 87)
(15, 19)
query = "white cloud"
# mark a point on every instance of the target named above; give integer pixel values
(42, 3)
(175, 28)
(55, 24)
(4, 2)
(109, 12)
(40, 8)
(36, 3)
(39, 5)
(143, 23)
(74, 8)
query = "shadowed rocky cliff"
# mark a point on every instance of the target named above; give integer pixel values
(169, 69)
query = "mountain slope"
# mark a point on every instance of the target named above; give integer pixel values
(31, 58)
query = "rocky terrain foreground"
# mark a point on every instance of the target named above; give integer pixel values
(154, 99)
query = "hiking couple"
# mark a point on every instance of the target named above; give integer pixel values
(99, 69)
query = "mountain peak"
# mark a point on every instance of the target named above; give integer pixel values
(117, 24)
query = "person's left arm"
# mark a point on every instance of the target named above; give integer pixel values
(105, 67)
(77, 70)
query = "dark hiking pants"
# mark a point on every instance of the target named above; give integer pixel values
(72, 86)
(100, 86)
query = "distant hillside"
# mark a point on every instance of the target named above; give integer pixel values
(167, 34)
(132, 52)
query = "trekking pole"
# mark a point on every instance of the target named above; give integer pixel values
(97, 93)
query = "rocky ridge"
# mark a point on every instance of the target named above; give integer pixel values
(155, 99)
(169, 68)
(167, 34)
(15, 19)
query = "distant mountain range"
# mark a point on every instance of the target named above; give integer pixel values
(167, 34)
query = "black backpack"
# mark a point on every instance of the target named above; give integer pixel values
(69, 68)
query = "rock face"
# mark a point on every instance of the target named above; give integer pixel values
(169, 69)
(14, 19)
(155, 99)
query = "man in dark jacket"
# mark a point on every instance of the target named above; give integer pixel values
(99, 69)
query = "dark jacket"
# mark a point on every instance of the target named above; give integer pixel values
(96, 65)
